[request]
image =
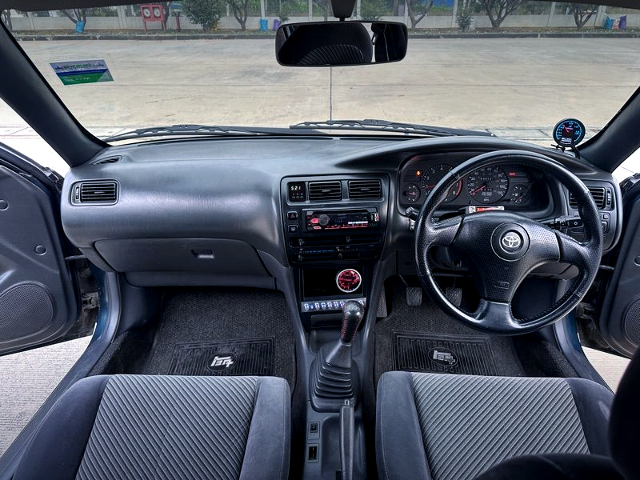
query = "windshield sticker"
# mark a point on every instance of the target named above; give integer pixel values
(85, 71)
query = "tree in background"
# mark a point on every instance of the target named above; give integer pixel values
(498, 10)
(582, 13)
(240, 10)
(204, 12)
(417, 10)
(5, 16)
(325, 6)
(372, 10)
(167, 11)
(76, 15)
(464, 15)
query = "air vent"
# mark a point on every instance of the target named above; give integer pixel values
(95, 192)
(365, 189)
(598, 194)
(102, 161)
(319, 191)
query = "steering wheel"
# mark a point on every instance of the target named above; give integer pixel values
(501, 248)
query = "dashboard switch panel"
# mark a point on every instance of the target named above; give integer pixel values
(329, 305)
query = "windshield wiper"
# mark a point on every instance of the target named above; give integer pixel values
(197, 130)
(387, 126)
(310, 127)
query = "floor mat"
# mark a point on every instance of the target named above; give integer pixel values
(251, 357)
(429, 321)
(221, 316)
(443, 354)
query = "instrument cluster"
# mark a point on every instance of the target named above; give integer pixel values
(511, 186)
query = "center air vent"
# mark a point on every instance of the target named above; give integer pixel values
(365, 189)
(598, 194)
(95, 192)
(325, 191)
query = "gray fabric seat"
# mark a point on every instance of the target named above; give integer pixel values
(164, 427)
(455, 427)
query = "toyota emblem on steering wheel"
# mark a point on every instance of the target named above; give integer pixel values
(511, 241)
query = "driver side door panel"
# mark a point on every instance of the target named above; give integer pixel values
(619, 317)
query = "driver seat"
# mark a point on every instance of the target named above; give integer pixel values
(458, 427)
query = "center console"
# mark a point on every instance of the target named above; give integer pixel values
(334, 229)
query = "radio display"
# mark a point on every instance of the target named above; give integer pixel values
(341, 220)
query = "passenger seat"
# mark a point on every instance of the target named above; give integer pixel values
(164, 427)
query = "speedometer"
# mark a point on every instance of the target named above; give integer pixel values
(487, 184)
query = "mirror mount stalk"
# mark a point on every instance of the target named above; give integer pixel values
(343, 9)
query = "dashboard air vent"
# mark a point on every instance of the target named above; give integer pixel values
(96, 192)
(319, 191)
(598, 194)
(365, 189)
(102, 161)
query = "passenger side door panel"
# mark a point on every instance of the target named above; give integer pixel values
(38, 300)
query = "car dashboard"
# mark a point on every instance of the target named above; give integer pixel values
(325, 210)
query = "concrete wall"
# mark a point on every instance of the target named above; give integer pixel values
(63, 24)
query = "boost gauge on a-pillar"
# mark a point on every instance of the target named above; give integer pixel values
(568, 132)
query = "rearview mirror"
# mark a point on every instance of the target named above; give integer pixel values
(340, 43)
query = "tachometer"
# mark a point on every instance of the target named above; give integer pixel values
(487, 184)
(432, 176)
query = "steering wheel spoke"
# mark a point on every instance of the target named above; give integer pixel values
(442, 234)
(496, 314)
(573, 252)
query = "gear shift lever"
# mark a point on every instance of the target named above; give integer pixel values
(334, 378)
(352, 315)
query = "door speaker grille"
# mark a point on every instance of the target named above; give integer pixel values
(632, 323)
(25, 309)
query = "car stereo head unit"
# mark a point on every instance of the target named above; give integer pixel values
(331, 220)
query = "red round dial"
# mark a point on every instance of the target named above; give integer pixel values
(348, 280)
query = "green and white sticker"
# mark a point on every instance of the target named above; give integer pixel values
(84, 71)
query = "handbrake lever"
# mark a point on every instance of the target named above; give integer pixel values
(347, 439)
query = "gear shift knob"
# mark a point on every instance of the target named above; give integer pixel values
(352, 315)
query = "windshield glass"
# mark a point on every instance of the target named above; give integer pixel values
(127, 67)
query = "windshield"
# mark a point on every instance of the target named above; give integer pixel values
(539, 64)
